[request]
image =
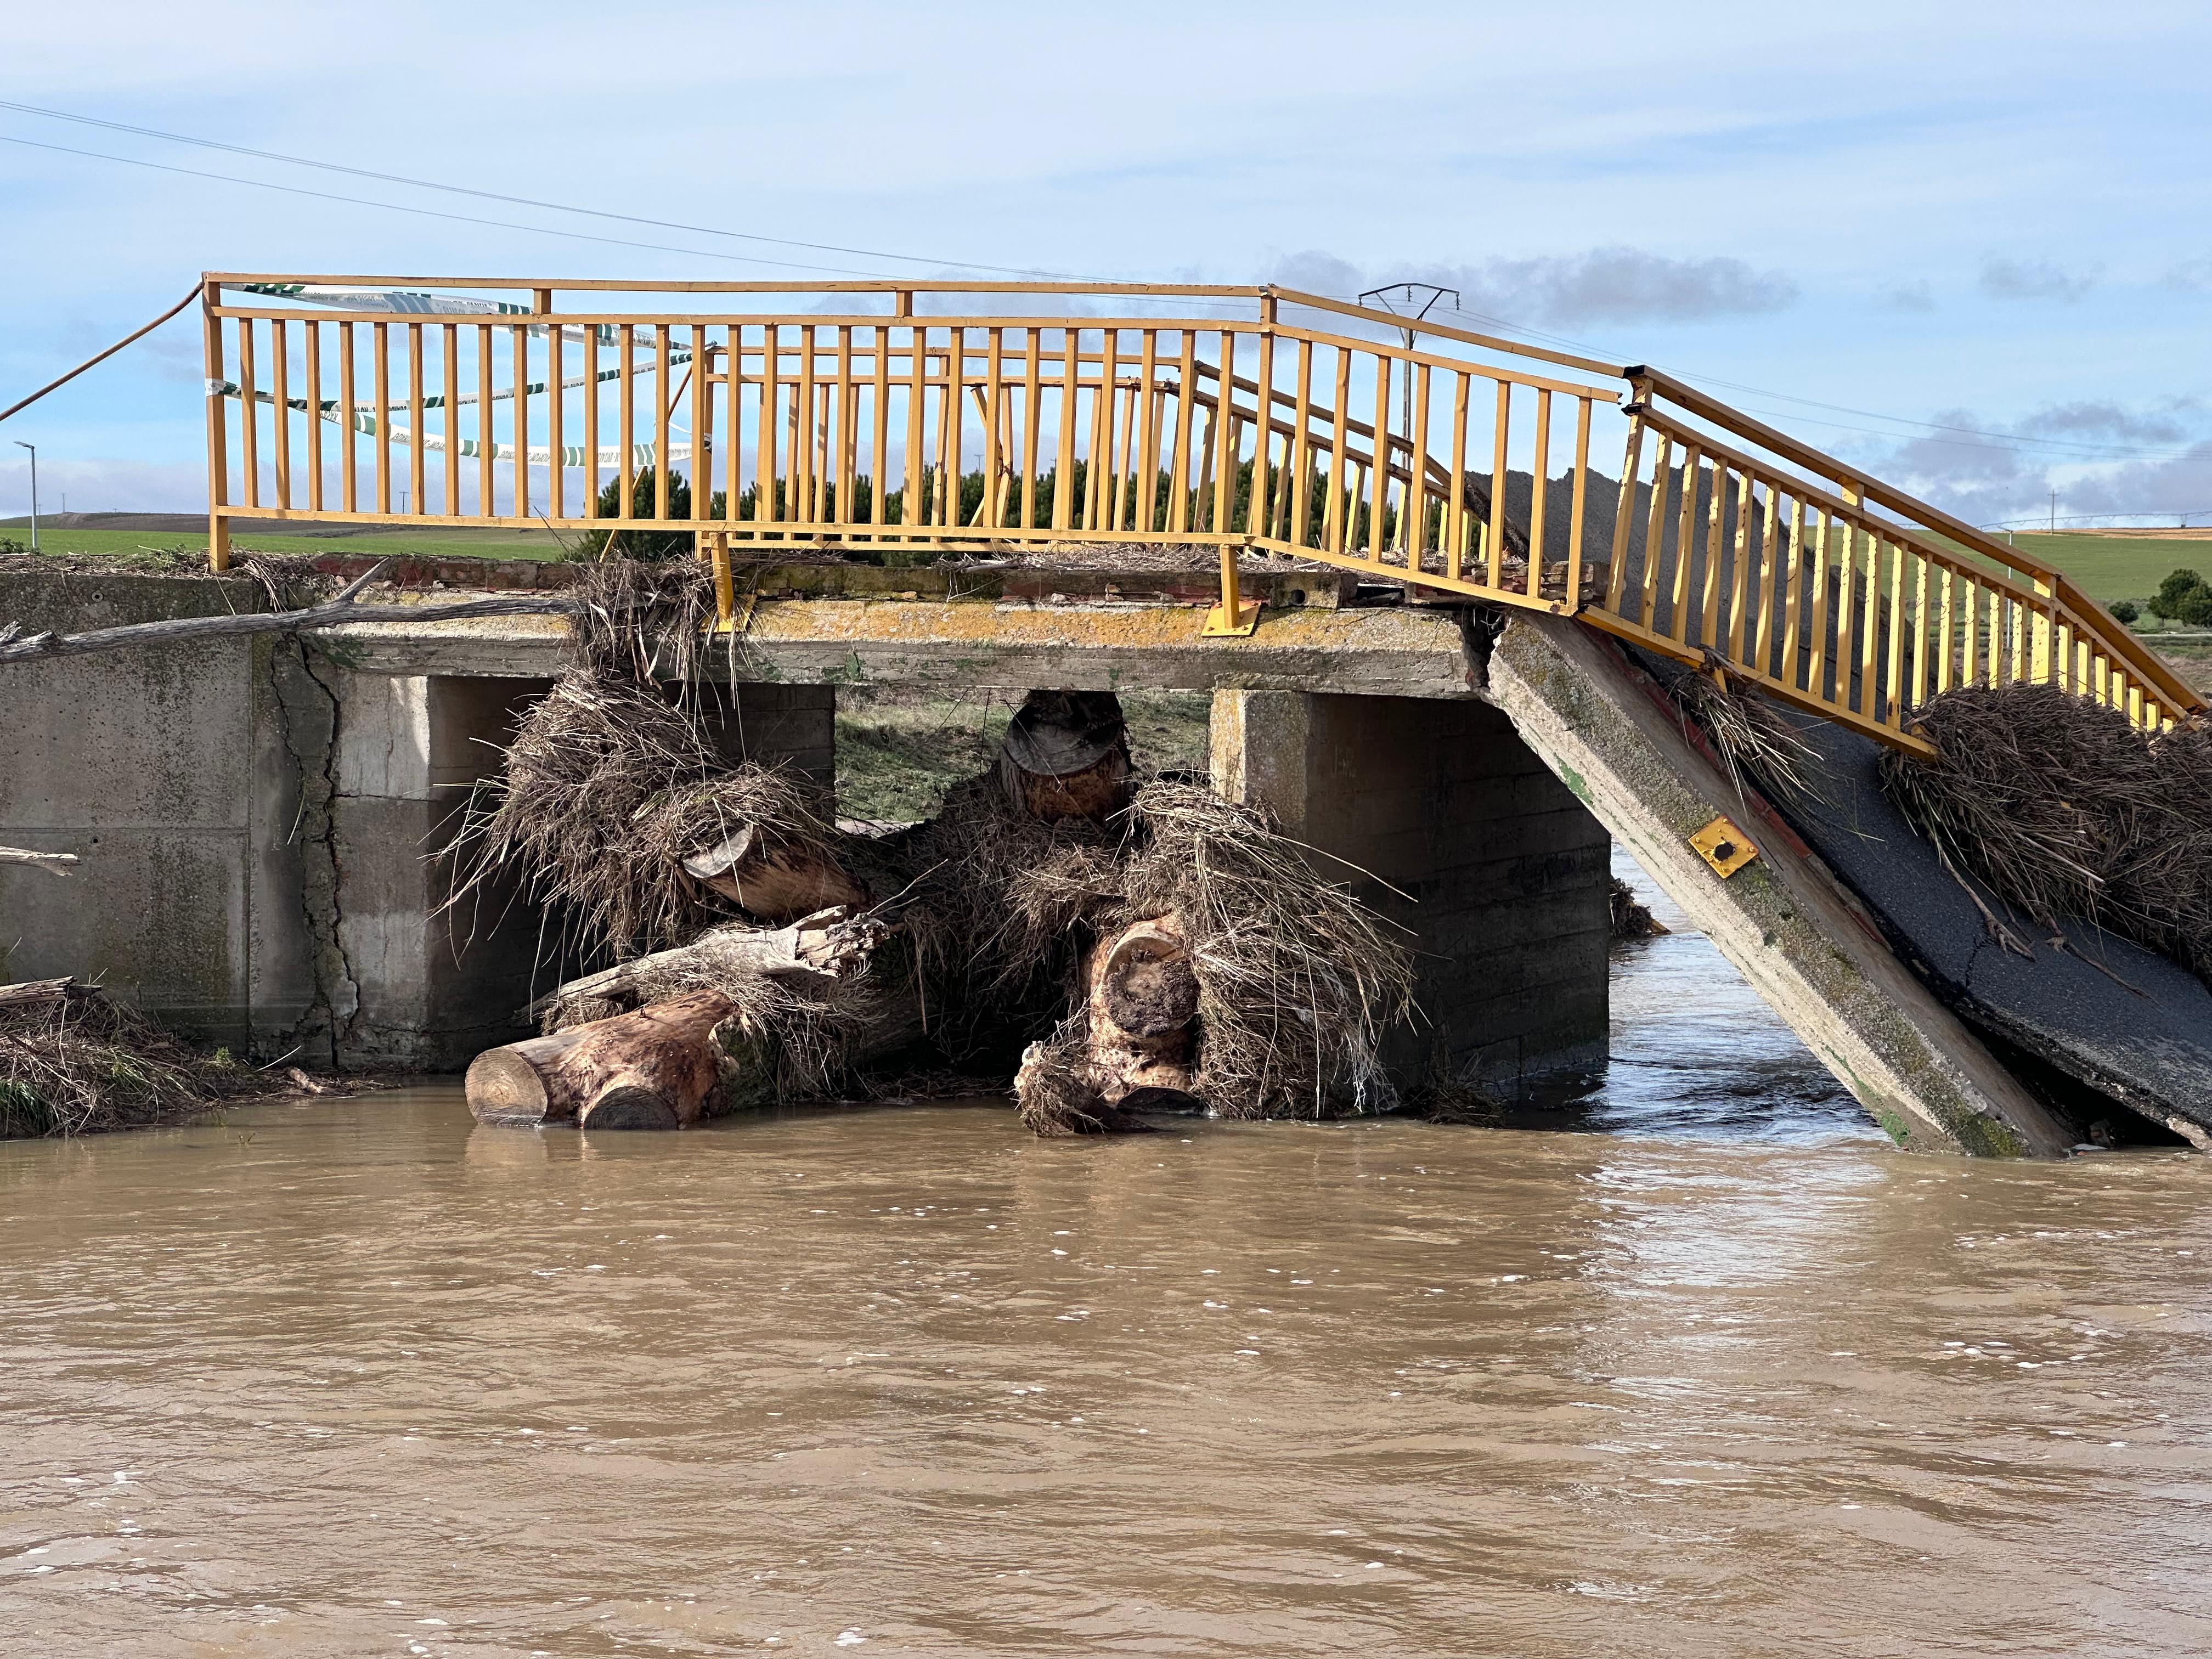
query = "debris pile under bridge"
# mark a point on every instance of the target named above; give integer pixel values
(1108, 940)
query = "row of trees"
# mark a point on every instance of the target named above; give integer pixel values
(1120, 508)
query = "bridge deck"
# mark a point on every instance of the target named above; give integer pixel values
(1089, 643)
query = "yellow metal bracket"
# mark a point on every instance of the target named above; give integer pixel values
(739, 618)
(1724, 847)
(1232, 618)
(733, 610)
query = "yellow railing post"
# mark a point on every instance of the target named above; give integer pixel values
(1231, 617)
(218, 437)
(2039, 630)
(717, 548)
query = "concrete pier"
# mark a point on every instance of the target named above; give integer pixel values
(1466, 839)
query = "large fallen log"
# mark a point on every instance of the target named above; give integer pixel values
(18, 647)
(654, 1068)
(830, 945)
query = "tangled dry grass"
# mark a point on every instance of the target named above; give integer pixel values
(589, 761)
(1751, 733)
(2066, 810)
(1630, 916)
(1298, 978)
(615, 776)
(73, 1062)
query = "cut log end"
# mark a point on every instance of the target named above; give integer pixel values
(1067, 756)
(511, 1084)
(627, 1106)
(777, 881)
(656, 1068)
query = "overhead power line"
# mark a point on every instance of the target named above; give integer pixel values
(2006, 441)
(516, 201)
(433, 213)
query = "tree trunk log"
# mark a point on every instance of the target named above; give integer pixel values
(830, 945)
(653, 1069)
(1067, 756)
(775, 880)
(1142, 1009)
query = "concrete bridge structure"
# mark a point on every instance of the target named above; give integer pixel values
(1433, 630)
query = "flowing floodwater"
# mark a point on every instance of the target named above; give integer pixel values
(1707, 1370)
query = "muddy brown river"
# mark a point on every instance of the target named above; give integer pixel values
(1704, 1368)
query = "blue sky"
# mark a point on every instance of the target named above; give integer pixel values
(1971, 216)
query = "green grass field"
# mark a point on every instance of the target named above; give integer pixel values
(2109, 566)
(2118, 567)
(898, 752)
(129, 546)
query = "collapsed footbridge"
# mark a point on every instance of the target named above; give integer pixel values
(1436, 580)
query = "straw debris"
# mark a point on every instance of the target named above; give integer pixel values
(2066, 810)
(613, 782)
(1751, 734)
(73, 1062)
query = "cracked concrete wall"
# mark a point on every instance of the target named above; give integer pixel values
(258, 820)
(408, 982)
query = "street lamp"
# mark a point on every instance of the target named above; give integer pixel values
(34, 448)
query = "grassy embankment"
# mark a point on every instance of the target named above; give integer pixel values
(2114, 568)
(162, 548)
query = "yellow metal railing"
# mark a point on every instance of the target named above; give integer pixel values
(1462, 465)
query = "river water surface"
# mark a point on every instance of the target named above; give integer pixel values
(1707, 1370)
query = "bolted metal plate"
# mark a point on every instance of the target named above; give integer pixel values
(1724, 847)
(1217, 625)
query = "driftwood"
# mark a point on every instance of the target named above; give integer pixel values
(652, 1069)
(776, 880)
(1067, 756)
(1142, 1014)
(830, 945)
(57, 863)
(18, 647)
(24, 993)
